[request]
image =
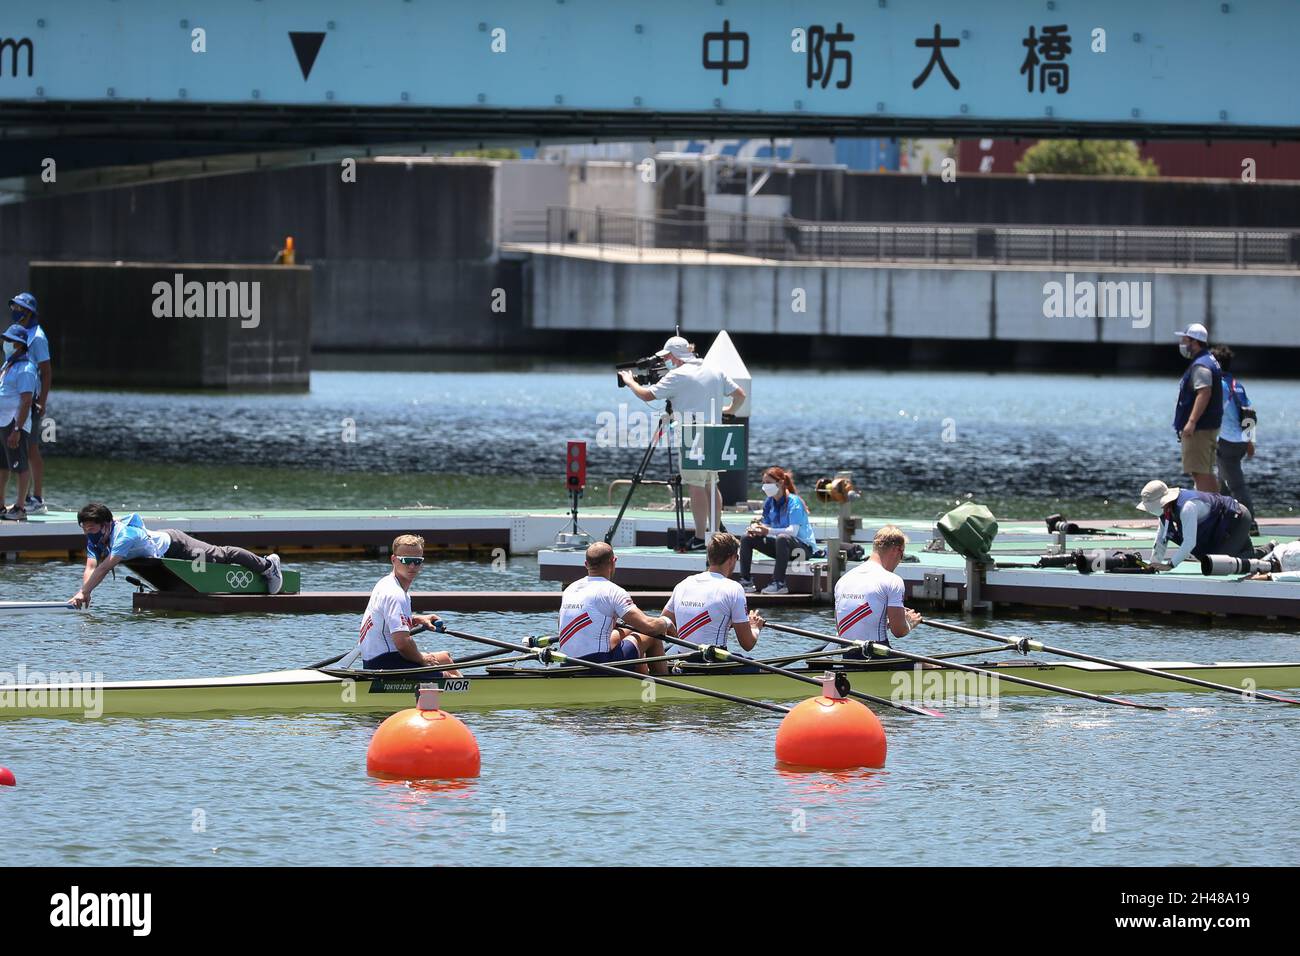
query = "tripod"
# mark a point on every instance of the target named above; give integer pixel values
(674, 479)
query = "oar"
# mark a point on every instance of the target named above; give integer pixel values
(713, 650)
(549, 654)
(1025, 645)
(885, 649)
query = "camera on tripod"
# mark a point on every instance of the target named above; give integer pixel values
(1221, 564)
(645, 371)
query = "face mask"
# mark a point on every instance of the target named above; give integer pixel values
(770, 489)
(1184, 350)
(10, 349)
(96, 542)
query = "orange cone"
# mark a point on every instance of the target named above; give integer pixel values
(831, 732)
(422, 743)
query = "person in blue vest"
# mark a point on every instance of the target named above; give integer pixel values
(17, 393)
(1198, 522)
(23, 309)
(1199, 411)
(1236, 434)
(782, 532)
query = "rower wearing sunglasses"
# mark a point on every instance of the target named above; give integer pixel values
(386, 641)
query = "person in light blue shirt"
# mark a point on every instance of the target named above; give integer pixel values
(17, 388)
(1236, 435)
(112, 541)
(784, 531)
(23, 309)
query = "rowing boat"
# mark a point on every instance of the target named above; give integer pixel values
(326, 691)
(22, 607)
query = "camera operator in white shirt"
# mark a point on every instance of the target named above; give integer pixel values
(697, 392)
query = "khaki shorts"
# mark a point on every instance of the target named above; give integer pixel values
(691, 476)
(1199, 450)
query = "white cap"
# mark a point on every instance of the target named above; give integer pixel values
(677, 347)
(1155, 495)
(1195, 331)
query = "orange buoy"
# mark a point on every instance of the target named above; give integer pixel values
(422, 743)
(7, 778)
(831, 732)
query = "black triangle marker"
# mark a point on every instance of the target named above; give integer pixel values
(305, 47)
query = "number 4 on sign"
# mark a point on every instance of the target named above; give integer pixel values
(696, 454)
(728, 453)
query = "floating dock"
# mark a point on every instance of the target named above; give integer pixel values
(935, 577)
(354, 602)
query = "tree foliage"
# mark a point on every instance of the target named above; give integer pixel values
(499, 152)
(1089, 157)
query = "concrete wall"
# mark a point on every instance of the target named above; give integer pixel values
(104, 330)
(524, 191)
(829, 195)
(404, 257)
(604, 185)
(914, 302)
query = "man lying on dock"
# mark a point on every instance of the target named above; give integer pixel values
(1286, 558)
(590, 610)
(1199, 522)
(111, 541)
(386, 641)
(705, 607)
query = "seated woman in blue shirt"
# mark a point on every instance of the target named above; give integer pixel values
(783, 529)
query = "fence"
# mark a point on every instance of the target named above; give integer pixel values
(713, 231)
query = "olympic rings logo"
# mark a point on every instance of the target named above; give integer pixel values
(239, 579)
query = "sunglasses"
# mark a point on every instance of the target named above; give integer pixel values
(409, 560)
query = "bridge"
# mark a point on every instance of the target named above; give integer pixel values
(90, 80)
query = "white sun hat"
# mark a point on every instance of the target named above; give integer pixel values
(1155, 495)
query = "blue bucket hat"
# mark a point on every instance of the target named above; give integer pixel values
(27, 301)
(16, 333)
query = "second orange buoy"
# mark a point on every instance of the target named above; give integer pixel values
(831, 732)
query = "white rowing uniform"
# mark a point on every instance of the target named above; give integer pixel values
(589, 609)
(389, 611)
(862, 597)
(705, 605)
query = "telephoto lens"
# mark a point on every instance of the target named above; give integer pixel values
(1222, 564)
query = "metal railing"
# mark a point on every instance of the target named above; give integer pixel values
(713, 231)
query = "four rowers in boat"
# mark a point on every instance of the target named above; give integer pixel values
(386, 642)
(869, 598)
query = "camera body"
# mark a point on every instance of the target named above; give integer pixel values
(645, 371)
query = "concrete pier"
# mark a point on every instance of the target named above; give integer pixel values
(177, 325)
(583, 287)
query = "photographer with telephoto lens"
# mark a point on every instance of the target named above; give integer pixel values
(1200, 523)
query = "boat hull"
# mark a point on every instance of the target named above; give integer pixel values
(303, 691)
